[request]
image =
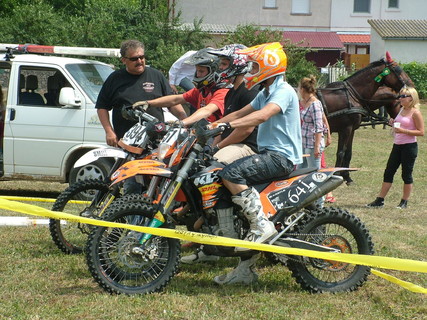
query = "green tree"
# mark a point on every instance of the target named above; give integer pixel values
(418, 74)
(100, 23)
(36, 22)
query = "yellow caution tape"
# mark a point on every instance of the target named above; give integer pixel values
(404, 284)
(30, 199)
(367, 260)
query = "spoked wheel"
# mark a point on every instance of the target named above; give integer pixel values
(70, 237)
(120, 264)
(338, 229)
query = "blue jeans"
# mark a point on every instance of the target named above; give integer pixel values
(257, 168)
(310, 161)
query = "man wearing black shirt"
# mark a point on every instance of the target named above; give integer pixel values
(126, 86)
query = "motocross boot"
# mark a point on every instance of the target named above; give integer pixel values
(243, 273)
(199, 256)
(261, 229)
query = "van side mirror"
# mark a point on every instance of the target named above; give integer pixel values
(68, 99)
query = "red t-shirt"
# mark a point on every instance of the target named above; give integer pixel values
(202, 97)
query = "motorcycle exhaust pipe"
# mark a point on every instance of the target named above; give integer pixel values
(331, 184)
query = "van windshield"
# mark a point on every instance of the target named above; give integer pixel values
(90, 77)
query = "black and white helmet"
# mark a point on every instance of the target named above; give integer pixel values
(238, 63)
(205, 59)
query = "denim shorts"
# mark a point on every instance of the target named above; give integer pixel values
(257, 168)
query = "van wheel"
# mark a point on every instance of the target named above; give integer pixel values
(97, 170)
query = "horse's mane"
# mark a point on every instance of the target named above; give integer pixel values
(372, 65)
(407, 80)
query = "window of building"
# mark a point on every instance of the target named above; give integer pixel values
(270, 3)
(362, 6)
(393, 4)
(300, 7)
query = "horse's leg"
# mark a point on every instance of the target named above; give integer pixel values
(347, 158)
(345, 137)
(342, 137)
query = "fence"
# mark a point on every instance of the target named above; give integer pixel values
(334, 73)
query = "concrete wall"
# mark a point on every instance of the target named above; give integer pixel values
(403, 51)
(252, 11)
(345, 20)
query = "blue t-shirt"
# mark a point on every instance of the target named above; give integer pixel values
(282, 132)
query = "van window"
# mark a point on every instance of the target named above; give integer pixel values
(90, 77)
(4, 80)
(40, 86)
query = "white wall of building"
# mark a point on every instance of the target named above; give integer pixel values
(402, 51)
(343, 19)
(253, 11)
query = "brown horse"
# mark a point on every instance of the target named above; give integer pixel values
(346, 101)
(384, 97)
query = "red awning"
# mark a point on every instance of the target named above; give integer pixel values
(320, 40)
(355, 38)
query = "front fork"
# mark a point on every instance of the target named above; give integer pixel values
(169, 196)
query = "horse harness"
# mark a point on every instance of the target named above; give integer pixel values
(351, 92)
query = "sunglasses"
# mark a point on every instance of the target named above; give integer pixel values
(403, 96)
(136, 58)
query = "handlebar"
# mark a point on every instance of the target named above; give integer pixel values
(204, 131)
(130, 113)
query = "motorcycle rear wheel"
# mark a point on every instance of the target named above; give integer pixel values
(332, 227)
(112, 262)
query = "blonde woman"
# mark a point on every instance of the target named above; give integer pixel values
(407, 125)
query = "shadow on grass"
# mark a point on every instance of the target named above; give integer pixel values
(197, 279)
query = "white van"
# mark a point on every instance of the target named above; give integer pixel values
(50, 118)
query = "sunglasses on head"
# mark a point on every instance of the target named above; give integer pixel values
(136, 58)
(403, 96)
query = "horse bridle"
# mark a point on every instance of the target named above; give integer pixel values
(365, 102)
(397, 70)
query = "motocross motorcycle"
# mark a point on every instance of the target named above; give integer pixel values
(90, 197)
(128, 262)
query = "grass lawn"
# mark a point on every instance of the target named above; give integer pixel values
(37, 281)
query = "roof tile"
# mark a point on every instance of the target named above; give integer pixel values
(324, 40)
(410, 29)
(355, 38)
(211, 28)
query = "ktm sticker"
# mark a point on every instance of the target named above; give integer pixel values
(282, 183)
(319, 176)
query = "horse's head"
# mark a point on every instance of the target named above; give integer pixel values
(393, 75)
(385, 97)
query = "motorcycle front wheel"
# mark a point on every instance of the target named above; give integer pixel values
(338, 229)
(112, 259)
(70, 237)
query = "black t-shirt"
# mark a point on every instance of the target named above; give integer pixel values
(122, 88)
(236, 100)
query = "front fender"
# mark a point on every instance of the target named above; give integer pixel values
(95, 154)
(147, 167)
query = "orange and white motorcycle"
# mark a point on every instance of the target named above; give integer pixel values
(124, 261)
(148, 138)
